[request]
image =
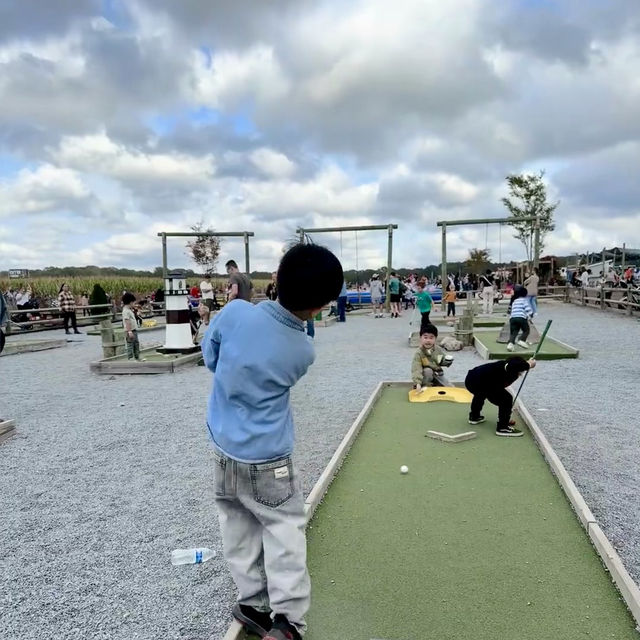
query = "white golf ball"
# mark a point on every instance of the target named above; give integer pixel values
(404, 469)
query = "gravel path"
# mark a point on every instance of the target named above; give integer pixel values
(108, 474)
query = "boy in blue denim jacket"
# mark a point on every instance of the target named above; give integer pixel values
(257, 353)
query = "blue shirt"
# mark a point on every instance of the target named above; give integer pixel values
(257, 353)
(343, 291)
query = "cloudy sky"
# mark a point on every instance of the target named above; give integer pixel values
(122, 118)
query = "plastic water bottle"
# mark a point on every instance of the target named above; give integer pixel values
(191, 556)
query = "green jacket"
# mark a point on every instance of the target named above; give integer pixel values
(425, 358)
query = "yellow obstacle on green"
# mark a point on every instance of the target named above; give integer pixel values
(447, 394)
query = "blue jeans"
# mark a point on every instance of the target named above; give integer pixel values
(342, 308)
(533, 302)
(262, 521)
(311, 329)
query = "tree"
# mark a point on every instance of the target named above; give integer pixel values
(528, 197)
(478, 260)
(205, 249)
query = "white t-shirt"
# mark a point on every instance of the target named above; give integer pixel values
(127, 314)
(585, 279)
(206, 290)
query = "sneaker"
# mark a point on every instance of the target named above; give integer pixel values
(510, 347)
(509, 432)
(258, 622)
(477, 420)
(523, 344)
(282, 630)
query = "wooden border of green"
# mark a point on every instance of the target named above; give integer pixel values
(610, 558)
(484, 352)
(116, 365)
(7, 429)
(29, 346)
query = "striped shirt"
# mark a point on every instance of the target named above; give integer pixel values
(521, 308)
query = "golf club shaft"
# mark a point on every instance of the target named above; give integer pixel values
(542, 337)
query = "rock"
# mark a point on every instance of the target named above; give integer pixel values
(451, 344)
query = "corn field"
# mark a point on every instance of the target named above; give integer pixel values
(48, 288)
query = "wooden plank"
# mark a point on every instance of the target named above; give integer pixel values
(619, 574)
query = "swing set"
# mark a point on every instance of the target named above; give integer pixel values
(535, 220)
(304, 234)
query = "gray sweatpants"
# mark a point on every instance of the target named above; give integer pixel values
(261, 512)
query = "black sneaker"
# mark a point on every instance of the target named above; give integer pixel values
(282, 629)
(254, 621)
(509, 432)
(477, 420)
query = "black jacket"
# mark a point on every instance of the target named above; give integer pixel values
(488, 378)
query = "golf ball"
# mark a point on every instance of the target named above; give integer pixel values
(404, 469)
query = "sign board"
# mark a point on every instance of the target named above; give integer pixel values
(18, 273)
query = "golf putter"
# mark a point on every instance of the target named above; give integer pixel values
(542, 337)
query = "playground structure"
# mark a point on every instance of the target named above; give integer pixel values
(305, 233)
(535, 220)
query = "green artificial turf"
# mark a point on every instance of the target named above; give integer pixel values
(551, 349)
(476, 542)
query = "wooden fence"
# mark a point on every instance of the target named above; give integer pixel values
(614, 299)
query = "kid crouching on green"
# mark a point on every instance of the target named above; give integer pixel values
(428, 360)
(257, 353)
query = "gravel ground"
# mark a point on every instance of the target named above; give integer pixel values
(107, 475)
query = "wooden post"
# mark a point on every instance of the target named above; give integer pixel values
(444, 264)
(246, 254)
(164, 257)
(624, 255)
(536, 252)
(106, 333)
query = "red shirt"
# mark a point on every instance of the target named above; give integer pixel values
(195, 292)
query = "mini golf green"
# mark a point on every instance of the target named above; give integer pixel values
(487, 346)
(477, 541)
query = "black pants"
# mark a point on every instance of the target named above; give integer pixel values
(516, 325)
(501, 398)
(69, 315)
(425, 319)
(2, 339)
(451, 309)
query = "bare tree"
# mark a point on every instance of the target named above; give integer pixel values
(205, 249)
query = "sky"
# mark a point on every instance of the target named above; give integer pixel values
(122, 119)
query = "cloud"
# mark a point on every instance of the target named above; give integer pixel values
(99, 154)
(43, 189)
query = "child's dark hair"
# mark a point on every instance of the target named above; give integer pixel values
(429, 328)
(519, 292)
(516, 364)
(309, 276)
(128, 298)
(231, 263)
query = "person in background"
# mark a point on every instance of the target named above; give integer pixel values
(194, 292)
(488, 291)
(204, 314)
(272, 288)
(531, 283)
(394, 294)
(377, 291)
(342, 303)
(240, 285)
(584, 277)
(424, 302)
(84, 301)
(4, 319)
(450, 299)
(130, 325)
(67, 304)
(206, 291)
(521, 312)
